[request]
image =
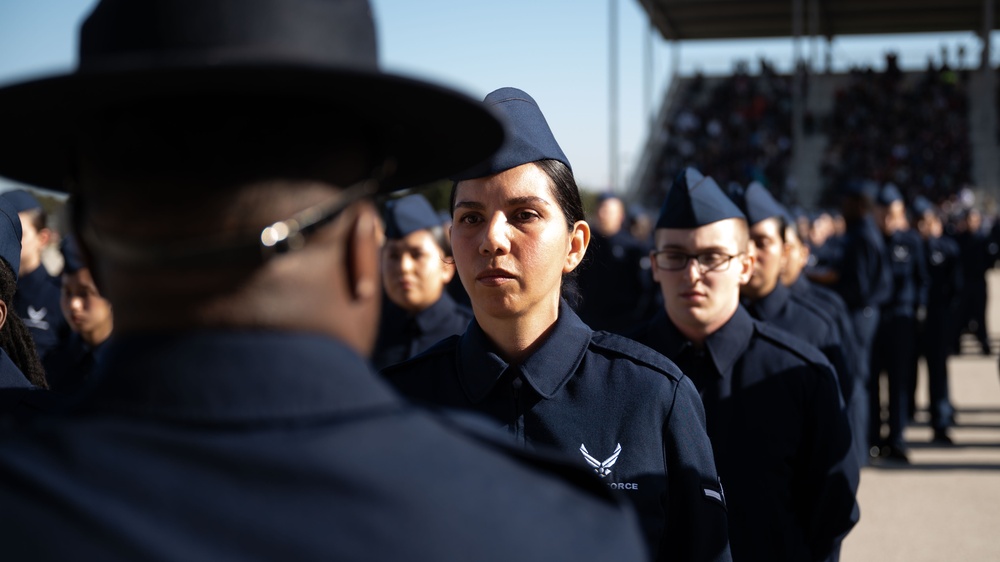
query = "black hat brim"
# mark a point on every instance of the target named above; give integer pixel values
(430, 131)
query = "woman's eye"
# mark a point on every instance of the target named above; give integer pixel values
(468, 219)
(525, 215)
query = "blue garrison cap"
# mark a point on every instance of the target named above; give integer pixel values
(21, 200)
(860, 188)
(10, 235)
(407, 215)
(695, 200)
(888, 195)
(758, 204)
(528, 139)
(72, 258)
(921, 205)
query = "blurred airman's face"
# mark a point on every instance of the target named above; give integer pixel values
(769, 250)
(82, 304)
(415, 271)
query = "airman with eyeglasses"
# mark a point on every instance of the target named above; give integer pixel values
(772, 404)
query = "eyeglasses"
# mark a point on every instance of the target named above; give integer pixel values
(671, 260)
(279, 238)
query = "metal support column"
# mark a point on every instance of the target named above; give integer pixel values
(613, 95)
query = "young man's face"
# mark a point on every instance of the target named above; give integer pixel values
(769, 250)
(700, 302)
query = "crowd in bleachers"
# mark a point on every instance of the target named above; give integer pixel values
(737, 129)
(911, 130)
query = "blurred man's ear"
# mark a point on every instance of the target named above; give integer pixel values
(44, 237)
(363, 245)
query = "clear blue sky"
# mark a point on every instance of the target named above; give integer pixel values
(556, 50)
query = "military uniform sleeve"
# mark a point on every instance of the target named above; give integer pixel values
(922, 276)
(828, 502)
(697, 527)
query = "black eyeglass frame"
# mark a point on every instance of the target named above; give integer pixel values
(698, 258)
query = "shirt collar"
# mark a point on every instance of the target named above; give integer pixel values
(546, 370)
(723, 348)
(771, 305)
(231, 376)
(729, 342)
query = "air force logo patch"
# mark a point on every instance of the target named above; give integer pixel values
(602, 468)
(36, 318)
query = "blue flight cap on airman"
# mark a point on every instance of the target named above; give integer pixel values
(72, 258)
(888, 195)
(10, 235)
(408, 214)
(695, 200)
(758, 204)
(921, 205)
(21, 199)
(860, 188)
(528, 139)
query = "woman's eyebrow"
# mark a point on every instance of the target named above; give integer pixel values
(524, 200)
(475, 205)
(527, 199)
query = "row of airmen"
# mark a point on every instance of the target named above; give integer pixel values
(57, 325)
(896, 300)
(778, 429)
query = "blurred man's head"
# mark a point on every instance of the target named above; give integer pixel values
(928, 222)
(890, 211)
(222, 179)
(796, 256)
(767, 233)
(610, 214)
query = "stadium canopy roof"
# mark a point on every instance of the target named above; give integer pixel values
(742, 19)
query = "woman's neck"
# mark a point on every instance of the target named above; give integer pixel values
(517, 337)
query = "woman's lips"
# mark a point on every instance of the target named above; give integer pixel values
(494, 277)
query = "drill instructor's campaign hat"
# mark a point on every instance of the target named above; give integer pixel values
(269, 51)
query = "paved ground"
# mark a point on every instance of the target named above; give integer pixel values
(945, 506)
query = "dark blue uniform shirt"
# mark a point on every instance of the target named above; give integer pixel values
(604, 400)
(944, 273)
(615, 283)
(403, 335)
(69, 367)
(281, 446)
(37, 304)
(13, 384)
(865, 278)
(909, 273)
(856, 398)
(780, 434)
(780, 309)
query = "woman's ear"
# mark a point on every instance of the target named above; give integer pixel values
(3, 313)
(579, 239)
